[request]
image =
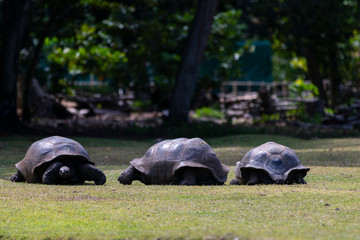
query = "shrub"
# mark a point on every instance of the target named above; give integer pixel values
(208, 112)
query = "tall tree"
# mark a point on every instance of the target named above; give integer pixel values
(14, 18)
(191, 59)
(51, 16)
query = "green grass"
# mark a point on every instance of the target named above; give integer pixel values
(326, 208)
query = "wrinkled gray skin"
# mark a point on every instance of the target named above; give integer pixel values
(179, 162)
(269, 163)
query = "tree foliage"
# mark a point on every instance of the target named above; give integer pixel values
(138, 44)
(87, 52)
(319, 32)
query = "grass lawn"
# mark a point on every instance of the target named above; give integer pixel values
(328, 207)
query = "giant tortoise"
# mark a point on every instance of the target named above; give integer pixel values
(179, 161)
(269, 163)
(57, 160)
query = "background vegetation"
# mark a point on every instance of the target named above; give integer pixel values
(138, 45)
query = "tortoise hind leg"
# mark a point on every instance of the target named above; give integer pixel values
(18, 177)
(197, 176)
(189, 177)
(205, 177)
(88, 172)
(253, 178)
(51, 175)
(129, 175)
(260, 177)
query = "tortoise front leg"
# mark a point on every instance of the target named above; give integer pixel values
(189, 176)
(260, 177)
(235, 181)
(253, 178)
(51, 175)
(129, 175)
(88, 172)
(295, 177)
(300, 179)
(18, 177)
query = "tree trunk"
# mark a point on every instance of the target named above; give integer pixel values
(15, 15)
(335, 77)
(42, 105)
(314, 72)
(26, 107)
(191, 59)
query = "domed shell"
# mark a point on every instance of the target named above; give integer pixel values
(276, 160)
(162, 161)
(43, 152)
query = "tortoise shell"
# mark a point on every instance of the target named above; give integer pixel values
(276, 160)
(41, 153)
(163, 160)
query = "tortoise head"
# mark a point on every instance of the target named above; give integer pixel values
(64, 172)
